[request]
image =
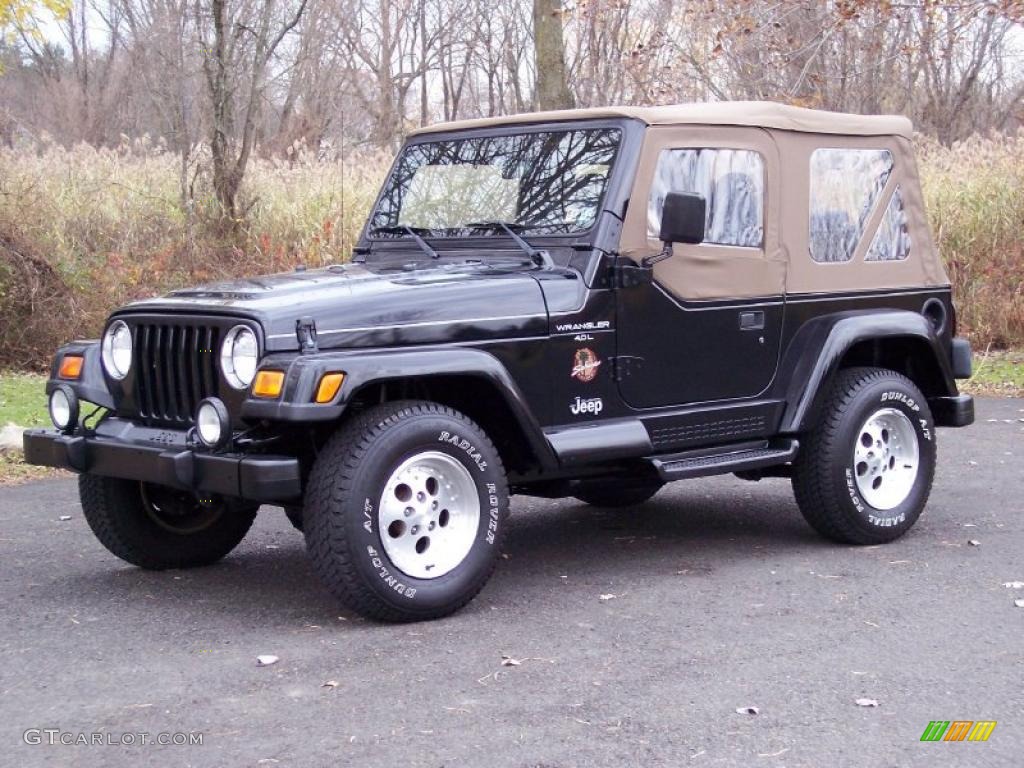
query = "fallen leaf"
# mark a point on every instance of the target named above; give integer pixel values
(266, 660)
(608, 596)
(508, 661)
(747, 711)
(330, 684)
(1019, 603)
(64, 518)
(974, 543)
(1014, 584)
(867, 703)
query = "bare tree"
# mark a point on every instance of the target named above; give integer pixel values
(238, 39)
(549, 43)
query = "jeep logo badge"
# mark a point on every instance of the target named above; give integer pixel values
(592, 405)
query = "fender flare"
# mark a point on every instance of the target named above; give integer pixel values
(91, 387)
(818, 348)
(366, 367)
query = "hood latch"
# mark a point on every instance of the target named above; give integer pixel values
(305, 331)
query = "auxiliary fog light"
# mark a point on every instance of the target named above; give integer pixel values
(64, 408)
(213, 425)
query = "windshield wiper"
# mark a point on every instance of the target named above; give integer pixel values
(413, 232)
(537, 256)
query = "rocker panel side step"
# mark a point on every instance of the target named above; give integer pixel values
(724, 461)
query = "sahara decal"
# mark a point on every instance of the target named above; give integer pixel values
(585, 364)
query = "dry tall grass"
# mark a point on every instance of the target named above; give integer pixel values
(974, 193)
(84, 230)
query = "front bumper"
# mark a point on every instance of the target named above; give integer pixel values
(167, 461)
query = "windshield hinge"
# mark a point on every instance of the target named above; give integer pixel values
(626, 274)
(305, 331)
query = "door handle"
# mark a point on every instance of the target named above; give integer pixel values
(752, 321)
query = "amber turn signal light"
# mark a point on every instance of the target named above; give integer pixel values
(71, 367)
(329, 386)
(268, 384)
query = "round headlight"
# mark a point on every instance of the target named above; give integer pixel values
(213, 425)
(64, 408)
(239, 356)
(117, 349)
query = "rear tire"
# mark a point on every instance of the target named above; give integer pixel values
(156, 528)
(405, 511)
(294, 515)
(864, 473)
(611, 495)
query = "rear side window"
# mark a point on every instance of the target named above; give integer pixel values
(730, 180)
(845, 186)
(892, 240)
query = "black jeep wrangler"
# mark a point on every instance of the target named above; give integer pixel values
(584, 303)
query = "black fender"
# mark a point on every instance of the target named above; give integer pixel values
(91, 386)
(365, 367)
(819, 347)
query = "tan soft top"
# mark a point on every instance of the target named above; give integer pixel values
(766, 114)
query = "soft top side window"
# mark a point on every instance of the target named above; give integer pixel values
(845, 186)
(892, 240)
(730, 180)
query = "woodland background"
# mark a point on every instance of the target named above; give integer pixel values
(147, 144)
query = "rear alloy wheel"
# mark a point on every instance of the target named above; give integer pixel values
(405, 511)
(157, 527)
(864, 474)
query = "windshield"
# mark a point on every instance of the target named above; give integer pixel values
(551, 182)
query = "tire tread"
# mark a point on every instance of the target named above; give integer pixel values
(812, 485)
(331, 484)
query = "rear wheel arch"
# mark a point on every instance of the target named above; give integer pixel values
(911, 356)
(898, 341)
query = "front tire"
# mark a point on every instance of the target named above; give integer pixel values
(864, 473)
(156, 527)
(405, 511)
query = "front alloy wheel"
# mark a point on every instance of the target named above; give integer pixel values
(405, 511)
(429, 515)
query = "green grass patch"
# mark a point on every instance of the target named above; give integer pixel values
(23, 400)
(997, 373)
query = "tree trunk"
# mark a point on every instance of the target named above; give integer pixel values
(552, 89)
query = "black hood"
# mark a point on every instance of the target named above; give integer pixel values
(376, 304)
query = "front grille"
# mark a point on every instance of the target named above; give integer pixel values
(176, 367)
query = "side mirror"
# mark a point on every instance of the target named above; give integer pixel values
(682, 218)
(682, 221)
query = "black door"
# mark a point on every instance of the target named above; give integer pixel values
(686, 337)
(673, 352)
